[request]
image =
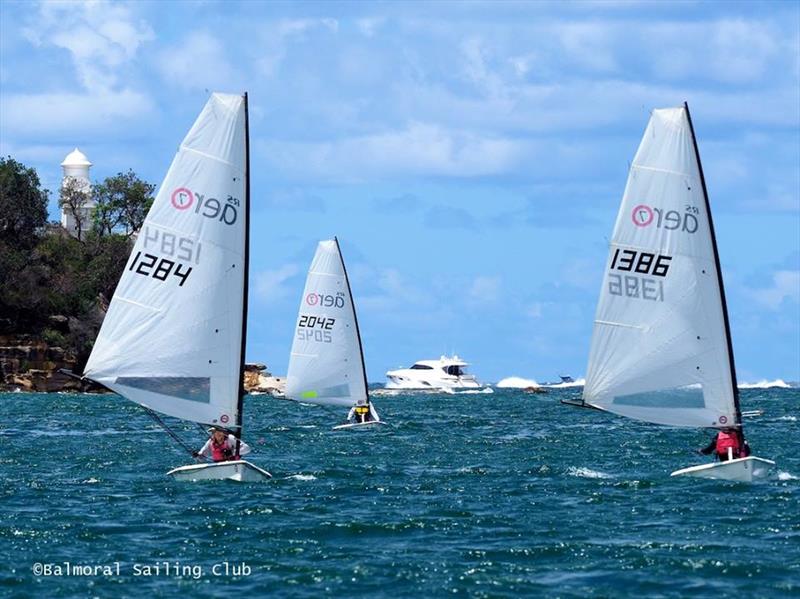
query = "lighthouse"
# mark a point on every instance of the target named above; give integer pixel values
(76, 167)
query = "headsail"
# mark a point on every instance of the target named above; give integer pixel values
(660, 349)
(326, 365)
(172, 337)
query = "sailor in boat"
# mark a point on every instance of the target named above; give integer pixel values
(729, 443)
(221, 446)
(362, 412)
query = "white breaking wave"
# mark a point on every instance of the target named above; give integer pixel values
(765, 384)
(303, 477)
(786, 476)
(516, 382)
(586, 473)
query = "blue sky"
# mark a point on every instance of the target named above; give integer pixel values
(470, 156)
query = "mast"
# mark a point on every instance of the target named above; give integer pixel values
(240, 404)
(719, 275)
(355, 318)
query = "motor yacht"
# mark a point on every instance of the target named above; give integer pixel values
(447, 373)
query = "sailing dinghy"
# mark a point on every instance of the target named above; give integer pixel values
(326, 366)
(661, 347)
(173, 339)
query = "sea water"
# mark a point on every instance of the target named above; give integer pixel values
(477, 495)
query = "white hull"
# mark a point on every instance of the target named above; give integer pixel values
(741, 470)
(433, 385)
(356, 425)
(446, 373)
(239, 470)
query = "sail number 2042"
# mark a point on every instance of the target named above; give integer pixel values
(635, 285)
(315, 328)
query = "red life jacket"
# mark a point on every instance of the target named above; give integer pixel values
(726, 440)
(221, 452)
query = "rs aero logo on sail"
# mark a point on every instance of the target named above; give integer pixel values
(184, 198)
(671, 220)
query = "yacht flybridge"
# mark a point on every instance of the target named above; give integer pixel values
(447, 373)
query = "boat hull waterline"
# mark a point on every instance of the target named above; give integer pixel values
(741, 470)
(238, 470)
(357, 425)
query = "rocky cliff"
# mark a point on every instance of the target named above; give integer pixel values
(29, 363)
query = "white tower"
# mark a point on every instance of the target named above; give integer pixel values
(76, 166)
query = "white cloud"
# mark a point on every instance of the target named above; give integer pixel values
(741, 51)
(476, 60)
(582, 273)
(485, 290)
(589, 45)
(270, 285)
(393, 296)
(785, 286)
(523, 64)
(274, 38)
(198, 61)
(73, 114)
(420, 148)
(100, 37)
(369, 26)
(289, 27)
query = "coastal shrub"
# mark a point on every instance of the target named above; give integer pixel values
(46, 272)
(54, 338)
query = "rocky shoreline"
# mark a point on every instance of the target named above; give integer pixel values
(29, 363)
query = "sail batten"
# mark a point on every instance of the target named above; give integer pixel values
(660, 349)
(172, 337)
(326, 363)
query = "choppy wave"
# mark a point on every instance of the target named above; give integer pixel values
(420, 500)
(765, 384)
(586, 473)
(516, 382)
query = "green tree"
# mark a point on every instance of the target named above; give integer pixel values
(23, 204)
(45, 272)
(122, 203)
(23, 217)
(73, 197)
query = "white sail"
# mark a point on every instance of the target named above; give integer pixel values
(171, 340)
(326, 365)
(660, 348)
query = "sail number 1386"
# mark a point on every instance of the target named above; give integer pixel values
(643, 263)
(635, 285)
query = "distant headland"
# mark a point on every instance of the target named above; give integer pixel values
(56, 278)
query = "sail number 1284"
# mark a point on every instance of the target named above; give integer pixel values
(143, 265)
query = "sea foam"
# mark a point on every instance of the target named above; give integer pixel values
(516, 382)
(765, 384)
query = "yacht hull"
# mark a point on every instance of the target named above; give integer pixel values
(239, 471)
(741, 470)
